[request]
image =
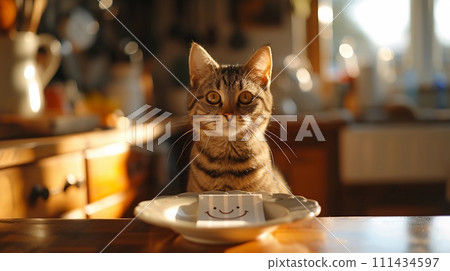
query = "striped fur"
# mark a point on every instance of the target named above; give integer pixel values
(221, 163)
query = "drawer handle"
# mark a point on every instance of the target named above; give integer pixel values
(43, 192)
(39, 192)
(71, 180)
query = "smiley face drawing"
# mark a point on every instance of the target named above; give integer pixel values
(229, 209)
(226, 215)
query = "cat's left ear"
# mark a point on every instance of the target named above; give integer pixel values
(201, 64)
(260, 66)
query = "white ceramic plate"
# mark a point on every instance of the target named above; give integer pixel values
(179, 213)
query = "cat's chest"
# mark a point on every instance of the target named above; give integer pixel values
(232, 152)
(227, 148)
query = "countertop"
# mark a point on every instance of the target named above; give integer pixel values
(21, 151)
(323, 234)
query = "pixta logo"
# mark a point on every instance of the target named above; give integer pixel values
(145, 124)
(199, 123)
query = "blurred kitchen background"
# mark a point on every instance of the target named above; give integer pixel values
(374, 74)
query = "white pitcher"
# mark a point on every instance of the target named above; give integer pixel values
(22, 78)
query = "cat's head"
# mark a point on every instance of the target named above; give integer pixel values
(239, 95)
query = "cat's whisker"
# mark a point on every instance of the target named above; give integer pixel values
(173, 144)
(279, 148)
(284, 128)
(274, 125)
(271, 155)
(259, 145)
(206, 144)
(276, 136)
(190, 130)
(271, 124)
(180, 121)
(185, 146)
(181, 118)
(255, 127)
(180, 125)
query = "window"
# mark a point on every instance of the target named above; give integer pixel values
(392, 41)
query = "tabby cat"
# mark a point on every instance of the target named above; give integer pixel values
(239, 95)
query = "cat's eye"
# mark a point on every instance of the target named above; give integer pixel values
(245, 97)
(213, 97)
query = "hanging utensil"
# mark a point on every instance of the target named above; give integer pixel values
(36, 14)
(27, 10)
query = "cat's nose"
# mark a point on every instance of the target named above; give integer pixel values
(228, 116)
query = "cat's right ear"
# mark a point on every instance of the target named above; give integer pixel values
(201, 64)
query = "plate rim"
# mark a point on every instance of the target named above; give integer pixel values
(180, 224)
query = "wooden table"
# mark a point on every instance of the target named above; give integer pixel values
(325, 234)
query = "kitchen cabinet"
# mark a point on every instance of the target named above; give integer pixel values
(113, 179)
(88, 175)
(395, 168)
(48, 187)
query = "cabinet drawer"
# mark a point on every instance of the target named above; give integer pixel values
(110, 207)
(11, 189)
(49, 187)
(107, 171)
